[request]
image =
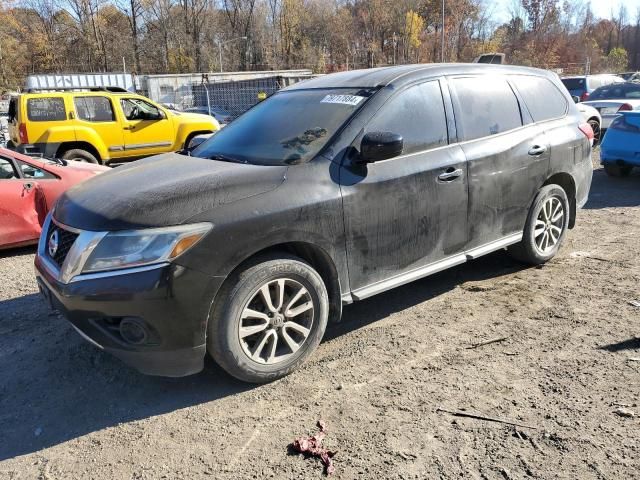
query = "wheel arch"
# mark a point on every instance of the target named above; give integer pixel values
(568, 184)
(315, 256)
(66, 146)
(193, 134)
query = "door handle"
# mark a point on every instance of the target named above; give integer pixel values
(27, 186)
(450, 175)
(537, 150)
(128, 127)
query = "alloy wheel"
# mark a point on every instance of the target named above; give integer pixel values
(276, 321)
(549, 225)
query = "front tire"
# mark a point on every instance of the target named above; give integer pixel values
(270, 317)
(546, 227)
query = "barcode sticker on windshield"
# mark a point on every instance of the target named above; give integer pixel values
(343, 99)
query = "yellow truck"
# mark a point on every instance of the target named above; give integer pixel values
(99, 125)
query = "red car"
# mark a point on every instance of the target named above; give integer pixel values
(29, 187)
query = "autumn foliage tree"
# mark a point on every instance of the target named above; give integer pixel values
(176, 36)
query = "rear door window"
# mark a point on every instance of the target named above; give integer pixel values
(485, 106)
(542, 97)
(417, 114)
(94, 109)
(46, 109)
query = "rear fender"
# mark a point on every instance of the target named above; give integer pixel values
(88, 135)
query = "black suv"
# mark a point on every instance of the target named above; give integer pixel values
(330, 191)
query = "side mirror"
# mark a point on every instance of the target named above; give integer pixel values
(576, 99)
(376, 146)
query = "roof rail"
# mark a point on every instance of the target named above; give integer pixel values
(80, 89)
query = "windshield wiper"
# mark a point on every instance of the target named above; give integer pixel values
(60, 161)
(226, 158)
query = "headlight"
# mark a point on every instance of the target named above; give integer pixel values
(134, 248)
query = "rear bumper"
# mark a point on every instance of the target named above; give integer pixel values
(621, 148)
(44, 149)
(170, 303)
(619, 157)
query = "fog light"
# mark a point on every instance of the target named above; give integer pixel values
(132, 331)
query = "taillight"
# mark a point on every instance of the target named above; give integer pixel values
(22, 133)
(584, 97)
(587, 130)
(625, 107)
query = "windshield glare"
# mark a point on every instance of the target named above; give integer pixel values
(289, 128)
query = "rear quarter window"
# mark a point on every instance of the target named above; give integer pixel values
(46, 109)
(485, 106)
(543, 99)
(574, 83)
(12, 113)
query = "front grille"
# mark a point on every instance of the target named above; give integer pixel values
(65, 242)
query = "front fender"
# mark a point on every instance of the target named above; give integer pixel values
(185, 128)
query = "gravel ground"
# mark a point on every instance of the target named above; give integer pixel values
(69, 411)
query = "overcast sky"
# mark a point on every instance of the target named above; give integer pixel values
(601, 8)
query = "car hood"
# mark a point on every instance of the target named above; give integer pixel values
(160, 191)
(80, 167)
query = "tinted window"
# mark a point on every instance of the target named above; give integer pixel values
(12, 109)
(29, 171)
(487, 106)
(290, 127)
(543, 99)
(94, 109)
(417, 114)
(573, 83)
(7, 171)
(46, 109)
(617, 91)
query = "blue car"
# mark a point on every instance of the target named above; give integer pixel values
(620, 149)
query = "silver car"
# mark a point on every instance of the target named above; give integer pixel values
(613, 99)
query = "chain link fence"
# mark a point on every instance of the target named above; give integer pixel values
(224, 99)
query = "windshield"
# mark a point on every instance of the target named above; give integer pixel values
(289, 128)
(616, 91)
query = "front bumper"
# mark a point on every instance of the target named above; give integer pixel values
(169, 302)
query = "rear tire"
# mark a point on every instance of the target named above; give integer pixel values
(597, 133)
(617, 170)
(79, 155)
(269, 318)
(545, 229)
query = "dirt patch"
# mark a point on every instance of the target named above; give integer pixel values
(68, 411)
